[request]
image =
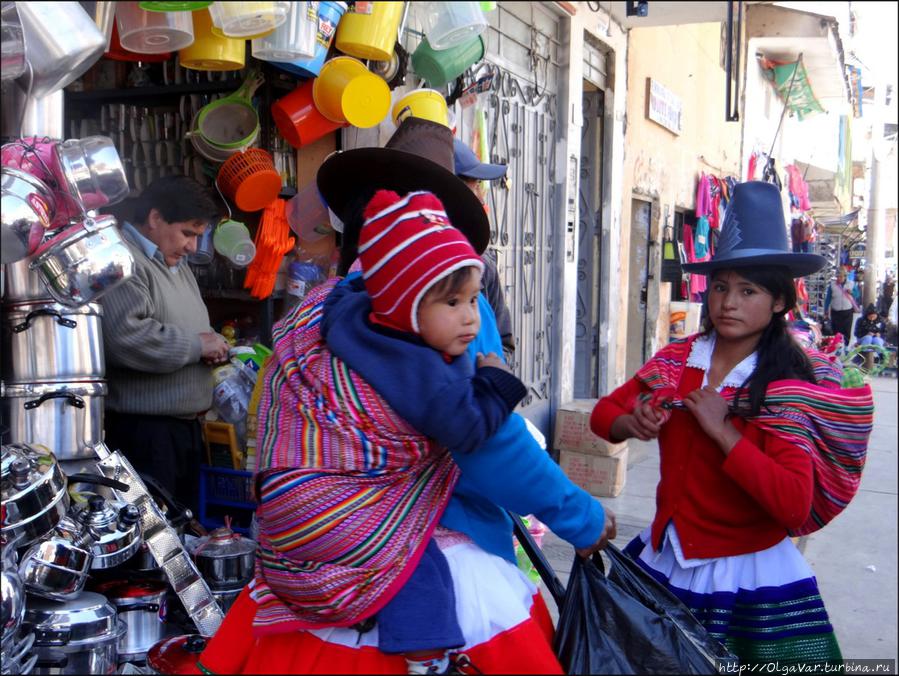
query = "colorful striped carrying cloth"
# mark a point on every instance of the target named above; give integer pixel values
(349, 493)
(831, 424)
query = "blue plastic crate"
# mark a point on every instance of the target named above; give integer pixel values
(227, 488)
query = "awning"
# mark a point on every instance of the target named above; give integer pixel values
(845, 219)
(791, 80)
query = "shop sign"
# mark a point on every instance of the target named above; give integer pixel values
(663, 106)
(857, 251)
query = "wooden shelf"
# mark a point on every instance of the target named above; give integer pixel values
(99, 95)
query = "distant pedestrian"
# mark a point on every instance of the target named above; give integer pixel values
(840, 304)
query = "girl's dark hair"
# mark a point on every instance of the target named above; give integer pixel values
(352, 226)
(779, 355)
(451, 283)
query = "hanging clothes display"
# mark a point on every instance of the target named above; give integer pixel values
(798, 187)
(703, 196)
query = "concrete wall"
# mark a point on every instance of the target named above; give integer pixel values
(663, 167)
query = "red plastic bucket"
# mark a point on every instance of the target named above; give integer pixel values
(298, 119)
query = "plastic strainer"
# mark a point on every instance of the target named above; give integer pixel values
(232, 122)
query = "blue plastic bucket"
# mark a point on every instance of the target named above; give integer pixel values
(329, 14)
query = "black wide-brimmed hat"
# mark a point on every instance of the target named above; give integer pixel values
(754, 233)
(419, 156)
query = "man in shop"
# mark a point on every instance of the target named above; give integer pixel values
(474, 172)
(160, 347)
(839, 304)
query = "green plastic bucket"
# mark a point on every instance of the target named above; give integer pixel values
(173, 6)
(440, 67)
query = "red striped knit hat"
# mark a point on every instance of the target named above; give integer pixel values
(407, 245)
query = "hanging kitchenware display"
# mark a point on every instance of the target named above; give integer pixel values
(248, 19)
(61, 43)
(212, 52)
(102, 13)
(293, 39)
(232, 240)
(141, 605)
(114, 527)
(450, 24)
(249, 179)
(329, 14)
(92, 170)
(118, 53)
(368, 30)
(176, 654)
(229, 124)
(66, 417)
(346, 91)
(427, 104)
(23, 285)
(50, 342)
(438, 68)
(84, 261)
(28, 208)
(225, 559)
(298, 120)
(86, 630)
(12, 43)
(152, 32)
(34, 494)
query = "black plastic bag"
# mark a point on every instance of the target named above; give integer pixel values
(627, 623)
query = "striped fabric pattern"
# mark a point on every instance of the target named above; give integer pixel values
(406, 245)
(832, 425)
(349, 493)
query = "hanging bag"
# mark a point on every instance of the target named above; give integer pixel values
(671, 270)
(625, 622)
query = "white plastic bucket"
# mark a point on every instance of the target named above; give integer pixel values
(447, 24)
(293, 39)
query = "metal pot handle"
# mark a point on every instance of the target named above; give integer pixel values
(44, 312)
(73, 399)
(99, 480)
(152, 607)
(55, 659)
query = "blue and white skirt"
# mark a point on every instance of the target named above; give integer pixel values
(764, 606)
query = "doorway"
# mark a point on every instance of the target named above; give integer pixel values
(638, 285)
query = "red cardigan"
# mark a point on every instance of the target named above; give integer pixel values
(721, 505)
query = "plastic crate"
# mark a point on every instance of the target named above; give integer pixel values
(224, 488)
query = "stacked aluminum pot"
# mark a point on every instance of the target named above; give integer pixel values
(226, 560)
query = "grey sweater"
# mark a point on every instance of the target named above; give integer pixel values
(151, 327)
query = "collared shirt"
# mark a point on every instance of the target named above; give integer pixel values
(148, 246)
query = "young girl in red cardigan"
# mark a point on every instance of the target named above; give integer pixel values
(757, 440)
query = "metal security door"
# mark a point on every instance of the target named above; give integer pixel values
(638, 287)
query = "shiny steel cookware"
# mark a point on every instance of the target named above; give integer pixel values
(12, 596)
(141, 605)
(50, 342)
(176, 654)
(57, 567)
(86, 630)
(92, 170)
(226, 598)
(224, 559)
(114, 527)
(65, 417)
(27, 211)
(23, 285)
(17, 656)
(84, 261)
(34, 495)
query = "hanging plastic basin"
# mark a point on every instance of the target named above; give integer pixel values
(246, 19)
(307, 213)
(329, 14)
(346, 91)
(449, 24)
(249, 179)
(173, 6)
(427, 104)
(298, 120)
(118, 53)
(372, 34)
(153, 32)
(437, 68)
(293, 39)
(211, 52)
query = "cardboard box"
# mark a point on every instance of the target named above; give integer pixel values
(572, 430)
(600, 475)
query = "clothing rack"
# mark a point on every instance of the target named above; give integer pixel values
(719, 170)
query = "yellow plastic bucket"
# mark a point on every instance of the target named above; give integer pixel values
(368, 30)
(427, 104)
(347, 92)
(210, 52)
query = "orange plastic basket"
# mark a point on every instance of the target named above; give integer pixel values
(249, 179)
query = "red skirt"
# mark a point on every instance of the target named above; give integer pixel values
(506, 623)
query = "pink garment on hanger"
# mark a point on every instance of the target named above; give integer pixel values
(703, 197)
(798, 186)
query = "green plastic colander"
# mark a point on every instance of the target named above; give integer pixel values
(231, 122)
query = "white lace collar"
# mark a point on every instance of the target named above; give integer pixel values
(701, 358)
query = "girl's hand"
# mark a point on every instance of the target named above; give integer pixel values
(710, 410)
(644, 423)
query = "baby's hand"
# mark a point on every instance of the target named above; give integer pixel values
(491, 359)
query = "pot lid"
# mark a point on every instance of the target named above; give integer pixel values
(87, 617)
(176, 655)
(223, 543)
(130, 589)
(96, 512)
(25, 466)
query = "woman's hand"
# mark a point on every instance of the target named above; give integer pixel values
(711, 412)
(644, 423)
(609, 532)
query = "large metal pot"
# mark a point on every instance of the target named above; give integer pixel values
(61, 43)
(28, 207)
(93, 171)
(66, 417)
(50, 342)
(225, 559)
(86, 630)
(33, 493)
(141, 605)
(23, 285)
(83, 262)
(56, 568)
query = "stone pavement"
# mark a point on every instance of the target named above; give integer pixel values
(854, 557)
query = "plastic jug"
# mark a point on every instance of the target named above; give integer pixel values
(293, 39)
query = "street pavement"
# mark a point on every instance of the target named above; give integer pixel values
(854, 557)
